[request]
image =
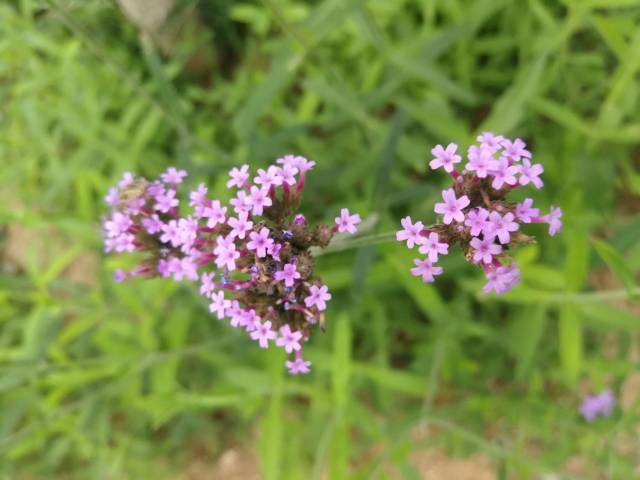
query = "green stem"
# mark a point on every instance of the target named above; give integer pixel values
(358, 242)
(600, 296)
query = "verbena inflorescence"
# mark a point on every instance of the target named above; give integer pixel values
(251, 258)
(600, 405)
(476, 213)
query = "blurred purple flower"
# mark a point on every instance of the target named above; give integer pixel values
(600, 405)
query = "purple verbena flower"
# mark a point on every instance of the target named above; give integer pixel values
(300, 163)
(476, 212)
(515, 150)
(347, 222)
(251, 320)
(237, 317)
(240, 226)
(481, 161)
(477, 220)
(501, 279)
(425, 269)
(152, 224)
(127, 179)
(199, 196)
(298, 366)
(189, 269)
(118, 224)
(135, 206)
(263, 333)
(525, 212)
(239, 176)
(432, 247)
(113, 197)
(226, 253)
(242, 202)
(259, 199)
(165, 201)
(124, 243)
(288, 174)
(207, 285)
(215, 214)
(171, 233)
(272, 287)
(452, 206)
(554, 220)
(503, 173)
(288, 274)
(260, 242)
(600, 405)
(219, 304)
(289, 340)
(173, 176)
(411, 232)
(274, 250)
(445, 158)
(119, 275)
(269, 178)
(490, 141)
(485, 249)
(530, 173)
(501, 226)
(318, 297)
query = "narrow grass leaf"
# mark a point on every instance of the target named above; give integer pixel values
(570, 338)
(272, 425)
(524, 336)
(509, 109)
(283, 69)
(340, 381)
(616, 264)
(608, 317)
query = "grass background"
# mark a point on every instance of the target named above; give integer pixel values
(136, 380)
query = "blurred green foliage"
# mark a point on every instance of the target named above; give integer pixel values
(99, 380)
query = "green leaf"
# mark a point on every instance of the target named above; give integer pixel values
(509, 109)
(271, 426)
(524, 336)
(341, 364)
(612, 35)
(427, 297)
(616, 264)
(577, 262)
(432, 75)
(570, 338)
(393, 380)
(283, 68)
(608, 317)
(340, 381)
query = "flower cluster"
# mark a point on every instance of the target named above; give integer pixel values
(475, 212)
(598, 405)
(251, 258)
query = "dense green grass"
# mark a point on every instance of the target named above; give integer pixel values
(103, 380)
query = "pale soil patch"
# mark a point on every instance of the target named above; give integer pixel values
(435, 464)
(45, 243)
(233, 464)
(432, 464)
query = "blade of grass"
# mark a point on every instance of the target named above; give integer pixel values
(616, 264)
(340, 382)
(570, 340)
(272, 425)
(524, 335)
